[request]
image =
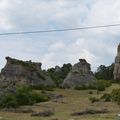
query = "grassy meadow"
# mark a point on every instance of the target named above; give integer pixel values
(72, 101)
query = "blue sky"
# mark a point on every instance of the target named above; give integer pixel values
(97, 46)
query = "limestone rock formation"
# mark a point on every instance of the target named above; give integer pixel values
(80, 74)
(24, 72)
(117, 65)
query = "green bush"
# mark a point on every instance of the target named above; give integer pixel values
(105, 83)
(93, 99)
(81, 87)
(115, 95)
(36, 98)
(98, 85)
(23, 96)
(42, 87)
(8, 100)
(102, 84)
(106, 97)
(90, 92)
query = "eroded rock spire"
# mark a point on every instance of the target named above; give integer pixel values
(117, 65)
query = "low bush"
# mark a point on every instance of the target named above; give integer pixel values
(102, 84)
(90, 92)
(98, 85)
(113, 96)
(106, 83)
(41, 87)
(93, 99)
(8, 100)
(106, 97)
(24, 95)
(81, 87)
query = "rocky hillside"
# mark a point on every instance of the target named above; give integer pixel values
(80, 74)
(24, 72)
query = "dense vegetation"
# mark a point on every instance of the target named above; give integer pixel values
(105, 72)
(23, 95)
(58, 74)
(113, 96)
(98, 85)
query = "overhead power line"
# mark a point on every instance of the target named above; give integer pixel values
(61, 30)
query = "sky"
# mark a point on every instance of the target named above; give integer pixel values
(97, 46)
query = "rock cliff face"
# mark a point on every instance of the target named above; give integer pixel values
(23, 72)
(117, 65)
(80, 74)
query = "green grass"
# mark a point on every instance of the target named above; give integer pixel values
(74, 101)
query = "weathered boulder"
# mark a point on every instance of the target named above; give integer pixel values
(117, 65)
(80, 74)
(23, 72)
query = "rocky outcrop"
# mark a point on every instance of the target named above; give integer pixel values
(117, 65)
(80, 74)
(23, 72)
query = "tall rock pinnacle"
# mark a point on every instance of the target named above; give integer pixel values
(117, 65)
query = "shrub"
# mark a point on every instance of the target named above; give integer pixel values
(106, 97)
(23, 96)
(36, 98)
(98, 85)
(82, 87)
(90, 92)
(105, 83)
(115, 95)
(102, 84)
(93, 99)
(8, 100)
(42, 87)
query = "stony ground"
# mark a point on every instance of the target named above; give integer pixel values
(73, 101)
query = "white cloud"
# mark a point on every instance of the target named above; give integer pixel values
(96, 45)
(60, 53)
(57, 46)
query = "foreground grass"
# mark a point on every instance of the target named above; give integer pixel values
(74, 101)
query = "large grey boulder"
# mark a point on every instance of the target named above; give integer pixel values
(117, 65)
(24, 72)
(80, 74)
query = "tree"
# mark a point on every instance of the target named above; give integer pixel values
(105, 72)
(58, 76)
